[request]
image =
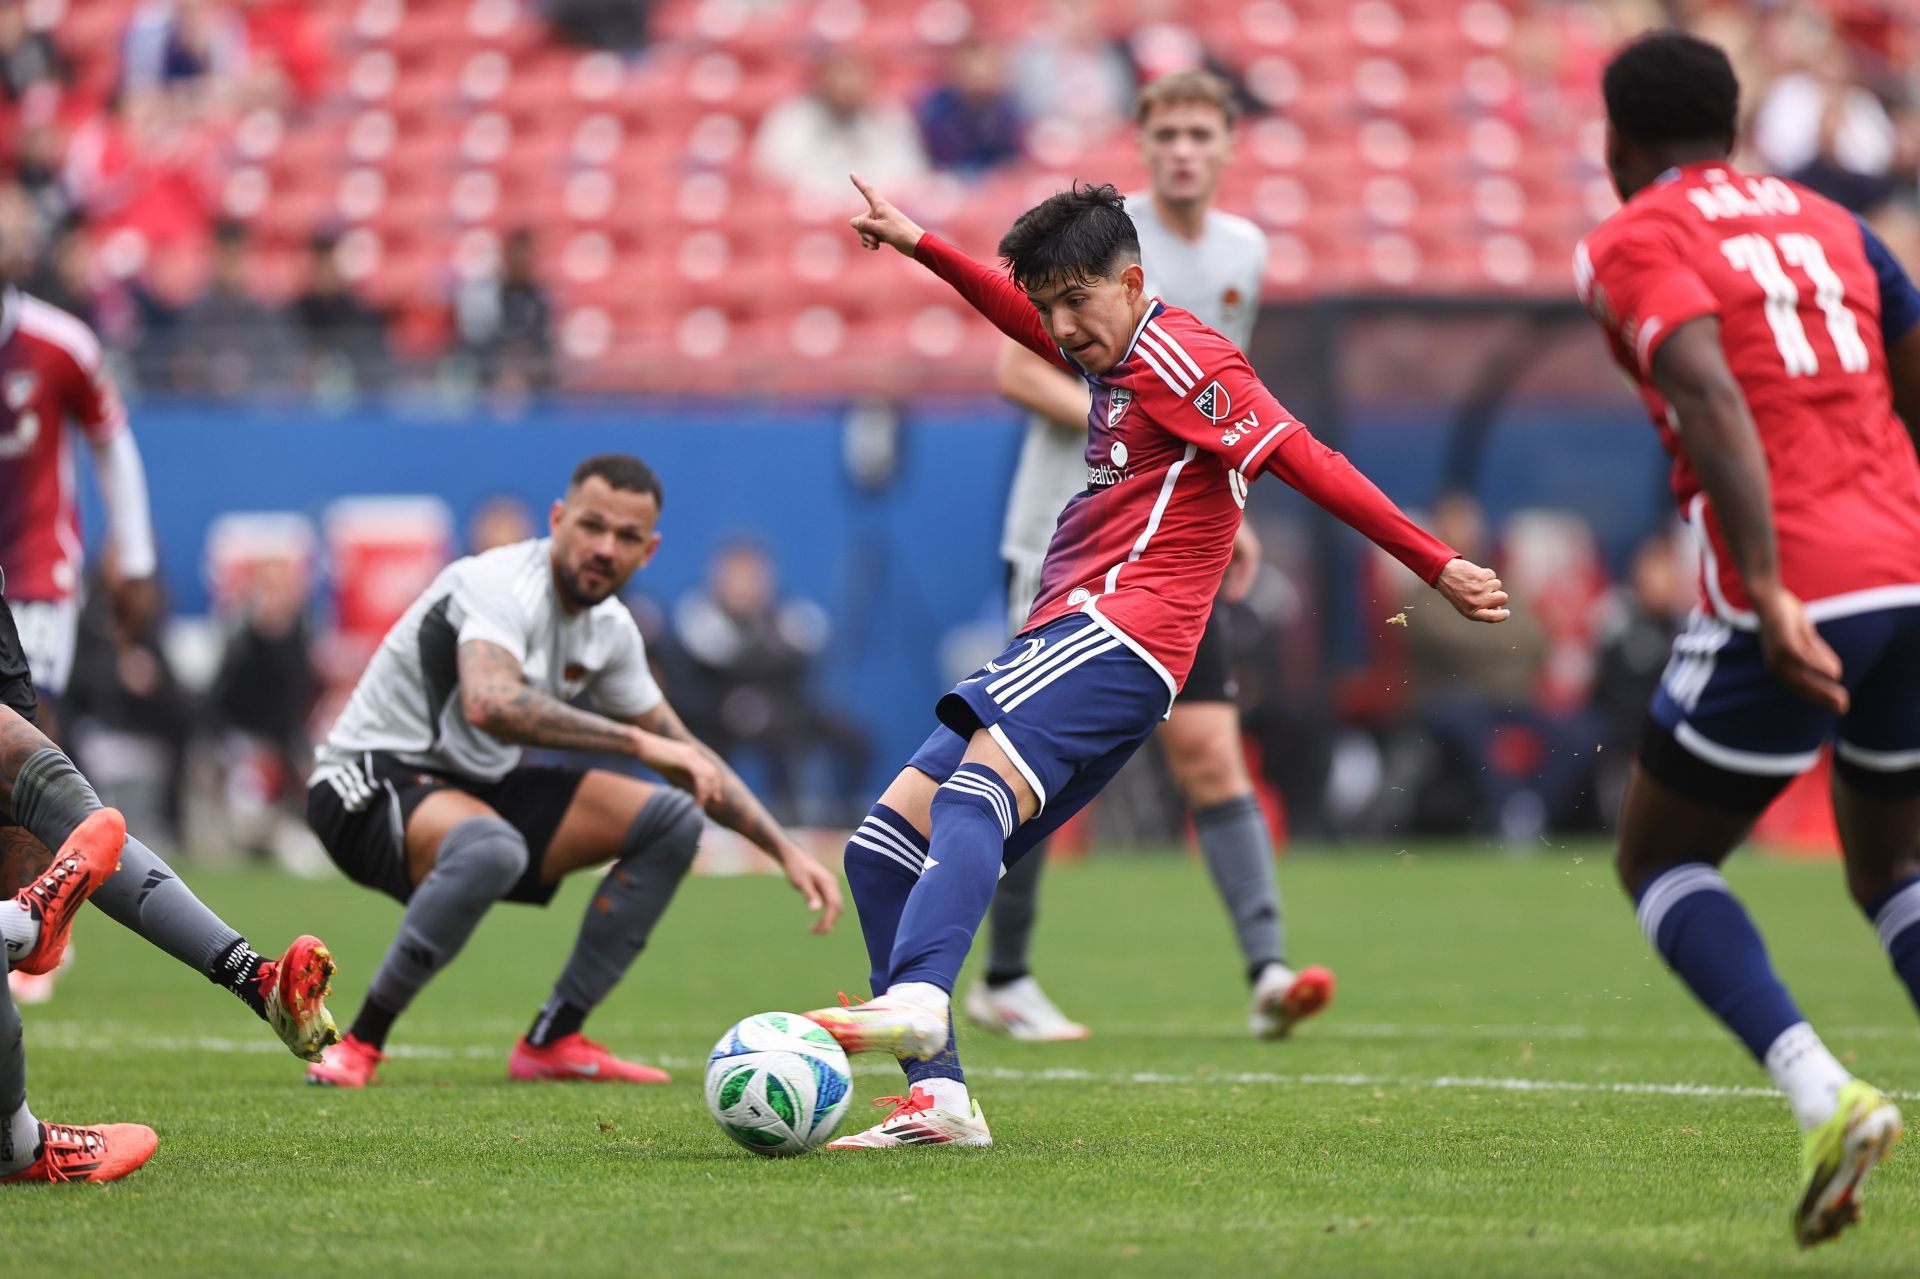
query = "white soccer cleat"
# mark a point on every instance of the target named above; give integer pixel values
(918, 1121)
(885, 1024)
(1021, 1010)
(1282, 999)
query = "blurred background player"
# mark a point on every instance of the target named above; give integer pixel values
(421, 793)
(1776, 343)
(1132, 570)
(1212, 264)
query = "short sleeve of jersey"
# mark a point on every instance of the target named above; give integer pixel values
(1224, 409)
(1899, 300)
(1640, 286)
(625, 687)
(490, 610)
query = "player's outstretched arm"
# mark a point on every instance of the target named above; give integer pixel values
(736, 808)
(1336, 486)
(987, 291)
(497, 700)
(1716, 430)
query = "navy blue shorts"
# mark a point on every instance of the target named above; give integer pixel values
(1728, 716)
(1069, 704)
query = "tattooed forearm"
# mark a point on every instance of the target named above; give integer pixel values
(737, 808)
(23, 859)
(20, 741)
(495, 696)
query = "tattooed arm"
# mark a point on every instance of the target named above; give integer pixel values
(497, 700)
(736, 808)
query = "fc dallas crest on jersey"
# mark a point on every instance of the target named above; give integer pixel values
(1117, 406)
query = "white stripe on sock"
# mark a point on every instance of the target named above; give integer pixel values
(892, 838)
(1669, 888)
(859, 837)
(1898, 915)
(995, 793)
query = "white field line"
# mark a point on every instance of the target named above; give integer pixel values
(1147, 1078)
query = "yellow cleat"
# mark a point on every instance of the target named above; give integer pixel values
(1837, 1157)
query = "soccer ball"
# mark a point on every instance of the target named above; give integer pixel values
(778, 1084)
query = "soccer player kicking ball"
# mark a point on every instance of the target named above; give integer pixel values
(420, 791)
(1178, 427)
(1211, 264)
(1773, 339)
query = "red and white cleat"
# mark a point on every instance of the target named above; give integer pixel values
(106, 1153)
(37, 988)
(84, 862)
(1283, 999)
(295, 988)
(347, 1064)
(917, 1121)
(578, 1059)
(1021, 1010)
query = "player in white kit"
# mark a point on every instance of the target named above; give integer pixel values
(1210, 263)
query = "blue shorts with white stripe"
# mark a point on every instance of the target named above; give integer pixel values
(1069, 704)
(1725, 708)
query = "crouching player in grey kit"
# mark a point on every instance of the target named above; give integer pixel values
(420, 791)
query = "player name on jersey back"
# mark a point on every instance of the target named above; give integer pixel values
(1793, 283)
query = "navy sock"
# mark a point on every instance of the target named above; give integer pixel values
(973, 814)
(1896, 917)
(1703, 932)
(884, 859)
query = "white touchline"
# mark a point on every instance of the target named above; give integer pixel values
(1006, 1074)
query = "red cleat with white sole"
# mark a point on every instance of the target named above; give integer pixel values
(106, 1153)
(84, 862)
(575, 1058)
(347, 1064)
(1282, 999)
(295, 988)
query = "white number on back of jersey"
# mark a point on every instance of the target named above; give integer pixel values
(1754, 254)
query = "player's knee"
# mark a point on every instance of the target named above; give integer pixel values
(1209, 772)
(673, 825)
(485, 850)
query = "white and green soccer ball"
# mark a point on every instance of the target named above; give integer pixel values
(778, 1084)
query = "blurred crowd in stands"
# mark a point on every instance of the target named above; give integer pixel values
(129, 195)
(130, 190)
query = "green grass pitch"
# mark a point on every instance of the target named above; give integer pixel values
(1508, 1084)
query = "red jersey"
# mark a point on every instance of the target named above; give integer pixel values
(1799, 302)
(1177, 431)
(50, 374)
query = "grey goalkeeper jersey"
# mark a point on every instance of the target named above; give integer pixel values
(1218, 278)
(407, 703)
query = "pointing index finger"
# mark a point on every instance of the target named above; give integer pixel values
(860, 185)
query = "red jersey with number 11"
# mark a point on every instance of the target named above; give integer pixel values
(1788, 275)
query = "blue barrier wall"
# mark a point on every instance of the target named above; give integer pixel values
(897, 567)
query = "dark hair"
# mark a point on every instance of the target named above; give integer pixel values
(1669, 86)
(622, 472)
(1071, 237)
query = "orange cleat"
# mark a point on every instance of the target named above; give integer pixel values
(106, 1153)
(295, 988)
(347, 1064)
(1282, 1000)
(575, 1057)
(84, 862)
